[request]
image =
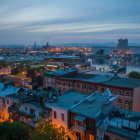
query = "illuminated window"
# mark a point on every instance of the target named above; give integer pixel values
(91, 137)
(54, 114)
(62, 117)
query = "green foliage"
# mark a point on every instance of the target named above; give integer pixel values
(134, 74)
(46, 131)
(13, 131)
(100, 52)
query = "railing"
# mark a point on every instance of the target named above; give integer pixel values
(33, 123)
(80, 128)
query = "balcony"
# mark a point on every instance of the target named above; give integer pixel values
(33, 123)
(80, 128)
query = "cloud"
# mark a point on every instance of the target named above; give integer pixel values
(77, 19)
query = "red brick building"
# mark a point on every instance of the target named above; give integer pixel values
(127, 89)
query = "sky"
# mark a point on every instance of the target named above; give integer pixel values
(69, 21)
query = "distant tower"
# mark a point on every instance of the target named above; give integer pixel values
(123, 45)
(47, 45)
(35, 46)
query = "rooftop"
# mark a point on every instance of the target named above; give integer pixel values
(8, 89)
(60, 72)
(66, 100)
(92, 106)
(104, 79)
(63, 57)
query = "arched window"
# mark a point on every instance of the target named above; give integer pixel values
(119, 101)
(126, 103)
(127, 94)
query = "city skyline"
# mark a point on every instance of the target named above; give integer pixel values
(92, 21)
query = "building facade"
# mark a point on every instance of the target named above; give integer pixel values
(127, 89)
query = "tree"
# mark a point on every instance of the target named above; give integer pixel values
(134, 74)
(100, 52)
(13, 131)
(47, 131)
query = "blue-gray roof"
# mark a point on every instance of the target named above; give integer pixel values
(80, 118)
(104, 79)
(92, 105)
(66, 100)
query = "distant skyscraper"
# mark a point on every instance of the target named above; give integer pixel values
(123, 45)
(35, 46)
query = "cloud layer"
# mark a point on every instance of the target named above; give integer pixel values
(62, 21)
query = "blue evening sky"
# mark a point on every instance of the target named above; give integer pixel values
(69, 21)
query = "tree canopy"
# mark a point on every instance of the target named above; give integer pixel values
(47, 131)
(13, 131)
(134, 74)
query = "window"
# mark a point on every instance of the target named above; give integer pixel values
(64, 84)
(85, 86)
(120, 93)
(26, 108)
(127, 94)
(126, 103)
(78, 85)
(102, 90)
(54, 114)
(8, 102)
(32, 111)
(89, 87)
(106, 137)
(112, 91)
(59, 83)
(119, 101)
(69, 84)
(96, 88)
(91, 137)
(62, 117)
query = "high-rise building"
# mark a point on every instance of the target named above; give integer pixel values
(123, 45)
